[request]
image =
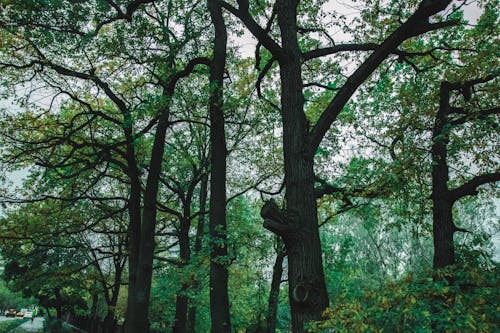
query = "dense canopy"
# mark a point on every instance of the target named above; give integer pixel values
(251, 166)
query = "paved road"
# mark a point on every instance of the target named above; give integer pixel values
(29, 326)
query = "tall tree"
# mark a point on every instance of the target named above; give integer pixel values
(447, 118)
(298, 224)
(219, 297)
(88, 38)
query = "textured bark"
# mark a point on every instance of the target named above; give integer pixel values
(200, 230)
(443, 227)
(272, 310)
(307, 290)
(443, 198)
(138, 319)
(219, 299)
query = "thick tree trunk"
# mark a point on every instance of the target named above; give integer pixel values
(181, 309)
(442, 220)
(443, 229)
(307, 290)
(219, 299)
(272, 310)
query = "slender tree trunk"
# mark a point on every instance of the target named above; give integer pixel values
(307, 290)
(200, 230)
(93, 323)
(134, 226)
(110, 319)
(138, 320)
(219, 299)
(181, 303)
(272, 310)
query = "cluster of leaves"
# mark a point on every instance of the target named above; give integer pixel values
(456, 300)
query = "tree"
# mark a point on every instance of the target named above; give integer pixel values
(298, 224)
(219, 297)
(443, 198)
(41, 50)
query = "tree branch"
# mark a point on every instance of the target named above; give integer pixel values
(470, 188)
(415, 25)
(256, 30)
(276, 220)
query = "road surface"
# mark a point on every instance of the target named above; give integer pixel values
(29, 326)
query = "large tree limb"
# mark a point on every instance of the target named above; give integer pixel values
(321, 52)
(277, 220)
(472, 116)
(169, 86)
(415, 25)
(470, 188)
(256, 30)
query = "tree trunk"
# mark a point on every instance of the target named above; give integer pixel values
(307, 290)
(134, 226)
(138, 320)
(219, 299)
(181, 308)
(110, 320)
(272, 311)
(442, 219)
(200, 230)
(181, 302)
(443, 229)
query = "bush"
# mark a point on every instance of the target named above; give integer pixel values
(453, 300)
(7, 326)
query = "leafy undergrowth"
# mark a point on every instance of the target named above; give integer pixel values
(453, 301)
(6, 326)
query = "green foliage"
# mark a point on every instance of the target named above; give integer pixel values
(7, 326)
(15, 300)
(415, 304)
(87, 86)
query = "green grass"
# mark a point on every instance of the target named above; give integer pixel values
(6, 326)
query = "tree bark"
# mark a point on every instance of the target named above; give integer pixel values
(272, 310)
(138, 320)
(443, 198)
(307, 290)
(443, 227)
(181, 304)
(134, 226)
(200, 230)
(219, 299)
(181, 309)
